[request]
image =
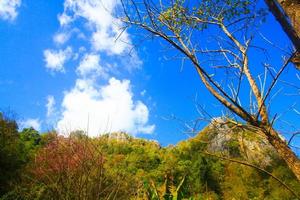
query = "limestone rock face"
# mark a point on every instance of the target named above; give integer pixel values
(238, 141)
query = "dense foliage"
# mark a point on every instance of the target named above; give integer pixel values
(118, 166)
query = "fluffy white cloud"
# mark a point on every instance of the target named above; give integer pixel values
(55, 60)
(89, 66)
(98, 108)
(8, 9)
(109, 109)
(34, 123)
(98, 14)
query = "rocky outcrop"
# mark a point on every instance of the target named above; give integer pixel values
(238, 141)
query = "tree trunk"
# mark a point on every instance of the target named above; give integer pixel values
(289, 19)
(283, 150)
(292, 10)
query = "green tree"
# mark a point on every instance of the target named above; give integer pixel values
(10, 161)
(30, 141)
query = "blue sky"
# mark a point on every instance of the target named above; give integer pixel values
(62, 68)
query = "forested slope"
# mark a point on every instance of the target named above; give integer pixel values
(118, 166)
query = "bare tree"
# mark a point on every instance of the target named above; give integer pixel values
(217, 37)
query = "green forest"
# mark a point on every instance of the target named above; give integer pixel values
(118, 166)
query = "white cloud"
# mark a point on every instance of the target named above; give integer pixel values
(107, 41)
(50, 106)
(8, 9)
(98, 15)
(64, 19)
(61, 38)
(109, 109)
(63, 35)
(101, 108)
(89, 66)
(34, 123)
(55, 60)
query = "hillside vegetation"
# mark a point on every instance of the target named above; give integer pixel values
(118, 166)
